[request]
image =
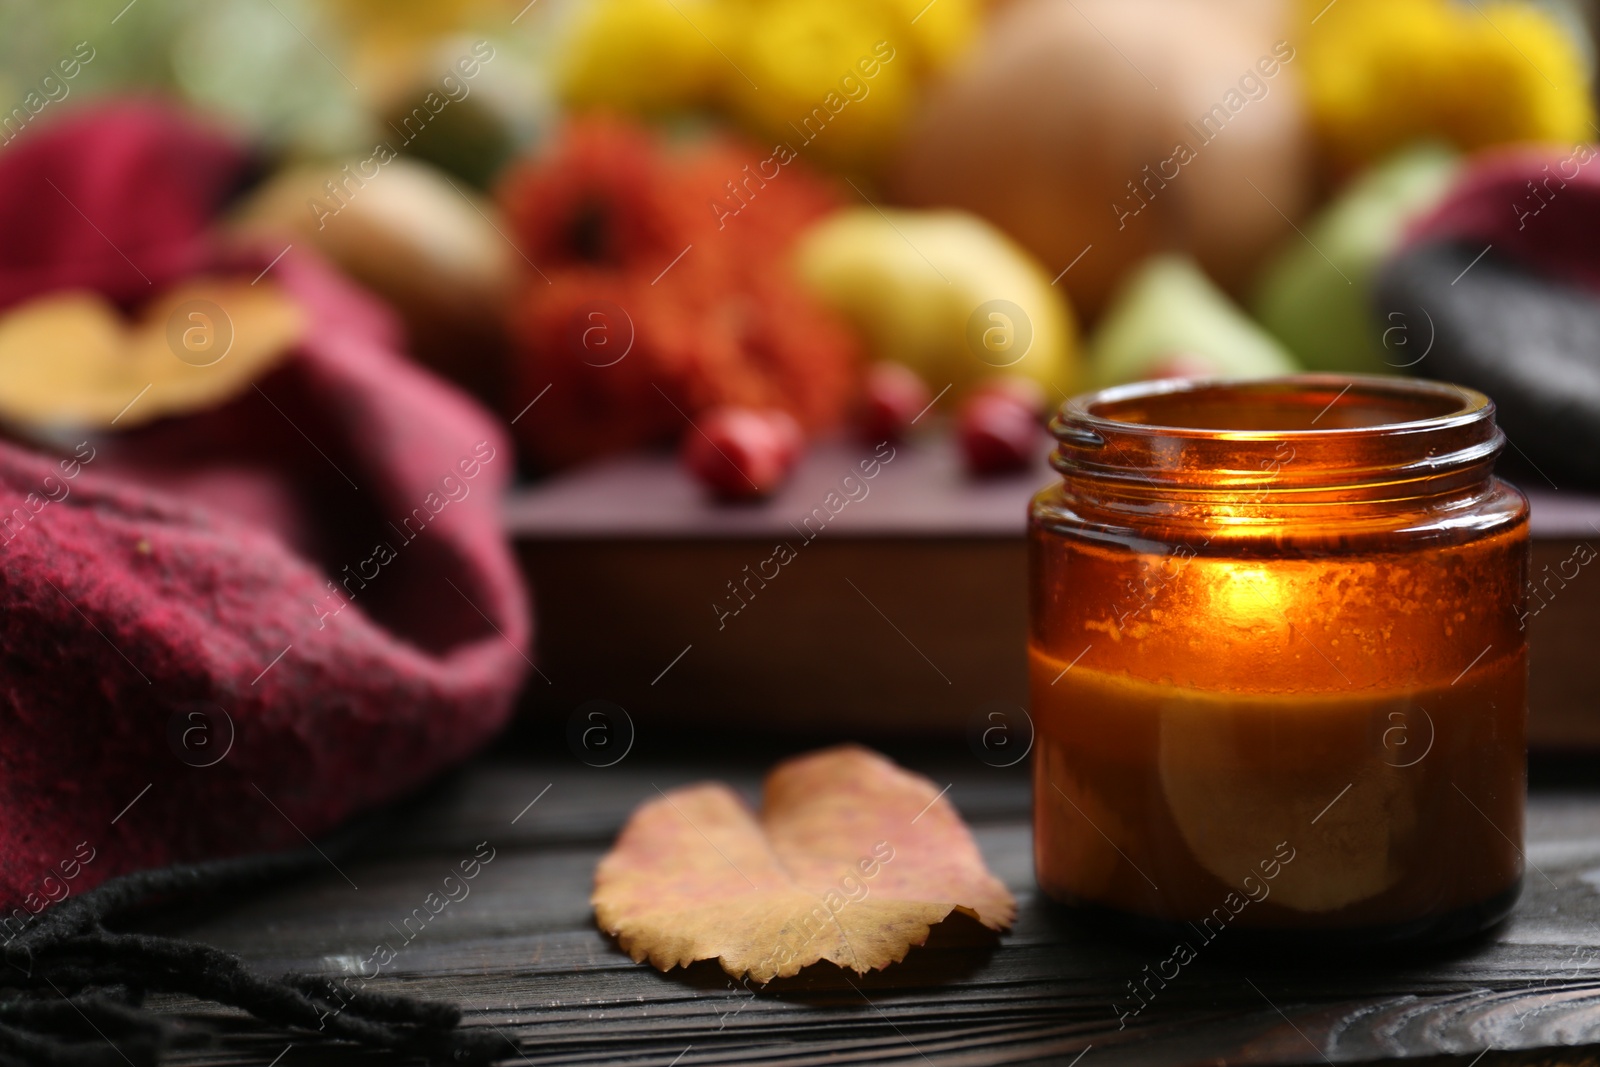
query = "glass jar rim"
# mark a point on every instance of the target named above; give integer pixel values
(1086, 413)
(1302, 437)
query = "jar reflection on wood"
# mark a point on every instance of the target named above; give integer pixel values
(1278, 671)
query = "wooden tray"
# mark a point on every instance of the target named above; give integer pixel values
(905, 612)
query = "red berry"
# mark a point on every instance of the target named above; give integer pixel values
(787, 430)
(739, 453)
(895, 394)
(997, 434)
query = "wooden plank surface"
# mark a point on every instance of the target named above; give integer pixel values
(522, 954)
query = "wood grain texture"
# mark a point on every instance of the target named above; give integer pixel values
(522, 954)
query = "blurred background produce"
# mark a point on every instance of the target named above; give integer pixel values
(1190, 135)
(624, 224)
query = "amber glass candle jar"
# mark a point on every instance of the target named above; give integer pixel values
(1278, 670)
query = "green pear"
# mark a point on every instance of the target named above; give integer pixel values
(1169, 318)
(1313, 296)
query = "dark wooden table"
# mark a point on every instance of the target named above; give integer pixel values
(522, 955)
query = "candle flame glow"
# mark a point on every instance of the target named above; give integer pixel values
(1250, 595)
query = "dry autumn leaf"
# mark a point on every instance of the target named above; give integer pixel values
(852, 860)
(70, 360)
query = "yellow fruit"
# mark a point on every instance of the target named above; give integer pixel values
(1383, 73)
(807, 63)
(946, 294)
(938, 30)
(643, 55)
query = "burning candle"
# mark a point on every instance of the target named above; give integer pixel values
(1278, 670)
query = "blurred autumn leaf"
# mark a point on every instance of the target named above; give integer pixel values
(70, 359)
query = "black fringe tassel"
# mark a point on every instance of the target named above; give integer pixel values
(72, 991)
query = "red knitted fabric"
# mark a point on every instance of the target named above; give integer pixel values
(1537, 204)
(185, 578)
